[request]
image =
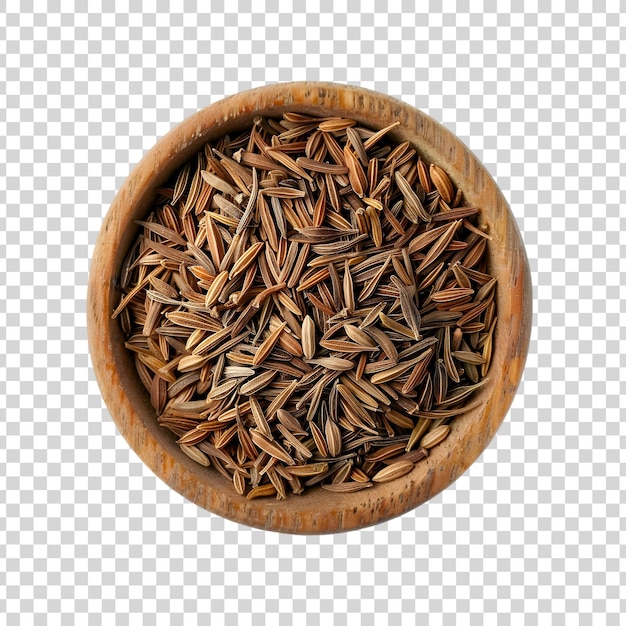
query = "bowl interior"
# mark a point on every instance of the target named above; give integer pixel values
(317, 510)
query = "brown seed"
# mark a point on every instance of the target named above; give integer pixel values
(319, 440)
(393, 471)
(409, 308)
(384, 342)
(368, 401)
(196, 455)
(357, 145)
(413, 208)
(308, 337)
(386, 452)
(280, 400)
(216, 288)
(271, 447)
(460, 393)
(391, 373)
(399, 419)
(211, 341)
(341, 472)
(311, 469)
(345, 346)
(259, 417)
(357, 177)
(369, 388)
(466, 356)
(461, 277)
(191, 362)
(426, 238)
(347, 487)
(283, 192)
(289, 421)
(424, 176)
(239, 483)
(435, 437)
(358, 336)
(258, 161)
(485, 290)
(163, 231)
(377, 136)
(375, 227)
(456, 214)
(215, 241)
(260, 382)
(391, 324)
(442, 183)
(333, 438)
(419, 372)
(245, 259)
(268, 345)
(438, 247)
(218, 183)
(193, 437)
(414, 456)
(335, 124)
(262, 491)
(440, 381)
(451, 369)
(419, 430)
(451, 295)
(333, 363)
(223, 390)
(487, 352)
(318, 166)
(359, 475)
(288, 162)
(447, 413)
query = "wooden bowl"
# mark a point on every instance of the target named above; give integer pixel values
(316, 511)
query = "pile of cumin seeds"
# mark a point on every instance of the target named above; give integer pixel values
(309, 303)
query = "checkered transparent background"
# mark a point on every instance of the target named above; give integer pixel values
(532, 533)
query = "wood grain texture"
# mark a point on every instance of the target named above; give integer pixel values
(316, 511)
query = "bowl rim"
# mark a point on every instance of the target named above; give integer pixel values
(317, 511)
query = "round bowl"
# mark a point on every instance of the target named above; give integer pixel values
(317, 510)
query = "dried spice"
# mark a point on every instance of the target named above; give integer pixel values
(309, 303)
